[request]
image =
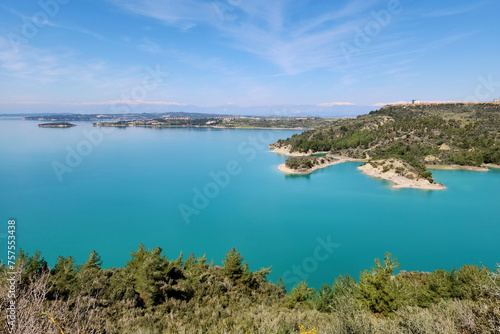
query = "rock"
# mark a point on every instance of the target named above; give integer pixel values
(444, 147)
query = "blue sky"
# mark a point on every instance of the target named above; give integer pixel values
(248, 52)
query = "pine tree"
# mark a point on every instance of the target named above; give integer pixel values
(64, 272)
(94, 261)
(149, 270)
(281, 285)
(377, 288)
(301, 294)
(91, 279)
(233, 267)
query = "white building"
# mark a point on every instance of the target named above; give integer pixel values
(415, 101)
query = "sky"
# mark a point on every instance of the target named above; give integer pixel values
(324, 53)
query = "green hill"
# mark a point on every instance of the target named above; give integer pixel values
(465, 134)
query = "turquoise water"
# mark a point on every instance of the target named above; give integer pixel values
(128, 189)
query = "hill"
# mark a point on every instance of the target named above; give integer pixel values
(421, 135)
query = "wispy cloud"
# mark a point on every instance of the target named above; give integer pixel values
(331, 104)
(406, 102)
(34, 71)
(100, 103)
(457, 10)
(81, 30)
(381, 104)
(149, 46)
(264, 28)
(134, 102)
(44, 66)
(53, 24)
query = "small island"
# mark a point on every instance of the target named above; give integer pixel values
(402, 143)
(56, 125)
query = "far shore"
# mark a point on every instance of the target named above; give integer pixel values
(113, 125)
(254, 128)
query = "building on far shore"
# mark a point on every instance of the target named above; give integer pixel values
(496, 100)
(417, 101)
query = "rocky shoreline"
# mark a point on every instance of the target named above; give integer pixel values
(396, 171)
(392, 170)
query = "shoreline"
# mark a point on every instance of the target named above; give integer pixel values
(285, 151)
(194, 126)
(254, 128)
(399, 181)
(287, 170)
(493, 166)
(458, 167)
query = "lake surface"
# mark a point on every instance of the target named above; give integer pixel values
(135, 185)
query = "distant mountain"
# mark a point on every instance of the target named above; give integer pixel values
(276, 110)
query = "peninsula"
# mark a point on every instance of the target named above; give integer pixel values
(401, 143)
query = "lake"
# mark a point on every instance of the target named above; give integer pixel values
(204, 191)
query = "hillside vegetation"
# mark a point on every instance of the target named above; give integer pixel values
(227, 122)
(465, 134)
(153, 294)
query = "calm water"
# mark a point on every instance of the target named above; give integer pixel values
(129, 188)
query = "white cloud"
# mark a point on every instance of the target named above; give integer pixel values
(457, 10)
(406, 102)
(135, 102)
(261, 27)
(331, 104)
(53, 24)
(381, 104)
(100, 103)
(34, 74)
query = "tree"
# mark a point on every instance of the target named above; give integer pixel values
(64, 272)
(233, 267)
(377, 288)
(149, 270)
(195, 268)
(91, 279)
(31, 266)
(325, 298)
(94, 262)
(301, 294)
(281, 285)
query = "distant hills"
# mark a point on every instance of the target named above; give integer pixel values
(276, 110)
